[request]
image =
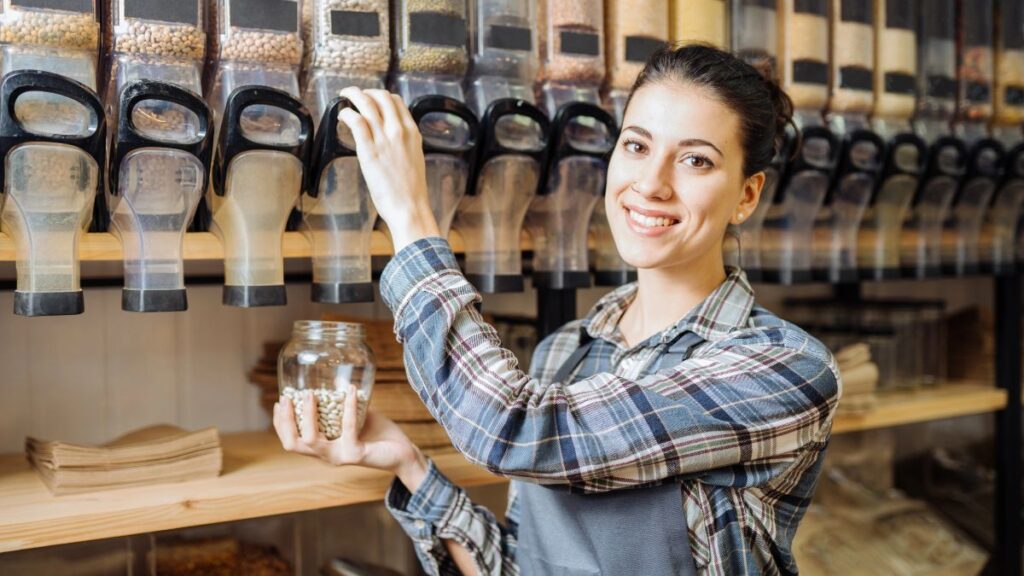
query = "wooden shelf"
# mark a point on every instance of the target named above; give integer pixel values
(910, 407)
(259, 479)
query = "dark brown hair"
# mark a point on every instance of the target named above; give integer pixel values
(763, 108)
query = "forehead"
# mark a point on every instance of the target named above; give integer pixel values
(672, 111)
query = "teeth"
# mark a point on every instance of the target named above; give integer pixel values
(649, 221)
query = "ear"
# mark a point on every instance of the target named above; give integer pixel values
(749, 198)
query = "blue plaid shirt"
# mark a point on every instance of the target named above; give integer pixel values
(741, 423)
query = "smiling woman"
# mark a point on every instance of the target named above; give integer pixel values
(678, 428)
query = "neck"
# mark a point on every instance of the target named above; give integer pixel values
(665, 295)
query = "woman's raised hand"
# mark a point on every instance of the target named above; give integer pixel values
(390, 152)
(381, 444)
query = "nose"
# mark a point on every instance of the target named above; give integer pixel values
(654, 182)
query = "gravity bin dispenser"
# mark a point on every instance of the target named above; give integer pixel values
(1004, 215)
(490, 218)
(53, 141)
(160, 159)
(338, 215)
(851, 100)
(258, 174)
(163, 42)
(513, 139)
(57, 36)
(895, 99)
(947, 154)
(970, 207)
(559, 217)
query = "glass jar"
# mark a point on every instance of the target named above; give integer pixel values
(324, 358)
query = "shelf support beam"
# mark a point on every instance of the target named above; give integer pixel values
(1007, 555)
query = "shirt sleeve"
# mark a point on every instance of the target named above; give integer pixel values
(750, 403)
(439, 510)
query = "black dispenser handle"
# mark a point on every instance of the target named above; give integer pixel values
(443, 104)
(327, 147)
(802, 161)
(128, 138)
(561, 147)
(233, 142)
(491, 146)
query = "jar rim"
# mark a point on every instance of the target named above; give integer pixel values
(328, 327)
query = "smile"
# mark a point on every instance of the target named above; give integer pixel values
(649, 222)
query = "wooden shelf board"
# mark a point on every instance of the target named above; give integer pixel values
(259, 479)
(910, 407)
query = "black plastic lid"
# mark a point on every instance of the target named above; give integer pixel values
(342, 293)
(496, 283)
(255, 296)
(154, 300)
(49, 303)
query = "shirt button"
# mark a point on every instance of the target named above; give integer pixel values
(425, 546)
(420, 524)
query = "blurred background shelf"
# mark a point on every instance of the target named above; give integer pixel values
(260, 479)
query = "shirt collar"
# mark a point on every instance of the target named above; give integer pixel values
(725, 310)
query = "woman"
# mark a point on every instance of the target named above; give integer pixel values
(676, 429)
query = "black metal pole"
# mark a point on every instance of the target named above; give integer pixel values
(555, 308)
(1007, 554)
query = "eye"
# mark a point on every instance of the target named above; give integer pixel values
(698, 161)
(634, 146)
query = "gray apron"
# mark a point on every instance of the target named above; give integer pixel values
(633, 531)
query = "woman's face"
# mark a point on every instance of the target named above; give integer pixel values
(675, 179)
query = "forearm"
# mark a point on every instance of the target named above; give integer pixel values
(462, 557)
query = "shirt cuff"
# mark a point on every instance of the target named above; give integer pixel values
(414, 264)
(428, 507)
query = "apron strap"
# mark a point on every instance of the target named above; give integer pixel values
(567, 368)
(678, 349)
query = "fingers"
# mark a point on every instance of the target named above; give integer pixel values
(284, 425)
(391, 122)
(350, 423)
(359, 128)
(404, 114)
(367, 108)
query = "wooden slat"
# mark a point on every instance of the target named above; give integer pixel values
(259, 479)
(910, 407)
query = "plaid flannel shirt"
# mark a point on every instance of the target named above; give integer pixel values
(741, 423)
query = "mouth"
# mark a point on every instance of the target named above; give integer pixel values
(649, 223)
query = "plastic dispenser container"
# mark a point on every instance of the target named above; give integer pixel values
(490, 219)
(258, 173)
(161, 41)
(754, 27)
(1001, 225)
(788, 229)
(346, 45)
(504, 49)
(572, 52)
(750, 233)
(58, 36)
(947, 154)
(559, 217)
(895, 90)
(513, 139)
(53, 141)
(338, 215)
(984, 154)
(699, 21)
(159, 165)
(633, 31)
(851, 100)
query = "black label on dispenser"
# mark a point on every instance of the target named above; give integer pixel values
(939, 20)
(977, 23)
(856, 11)
(810, 72)
(66, 5)
(856, 78)
(1014, 95)
(640, 48)
(581, 43)
(1012, 22)
(177, 12)
(978, 92)
(437, 29)
(276, 15)
(819, 7)
(899, 14)
(769, 4)
(351, 23)
(899, 83)
(941, 87)
(509, 38)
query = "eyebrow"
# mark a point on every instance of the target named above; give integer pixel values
(682, 143)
